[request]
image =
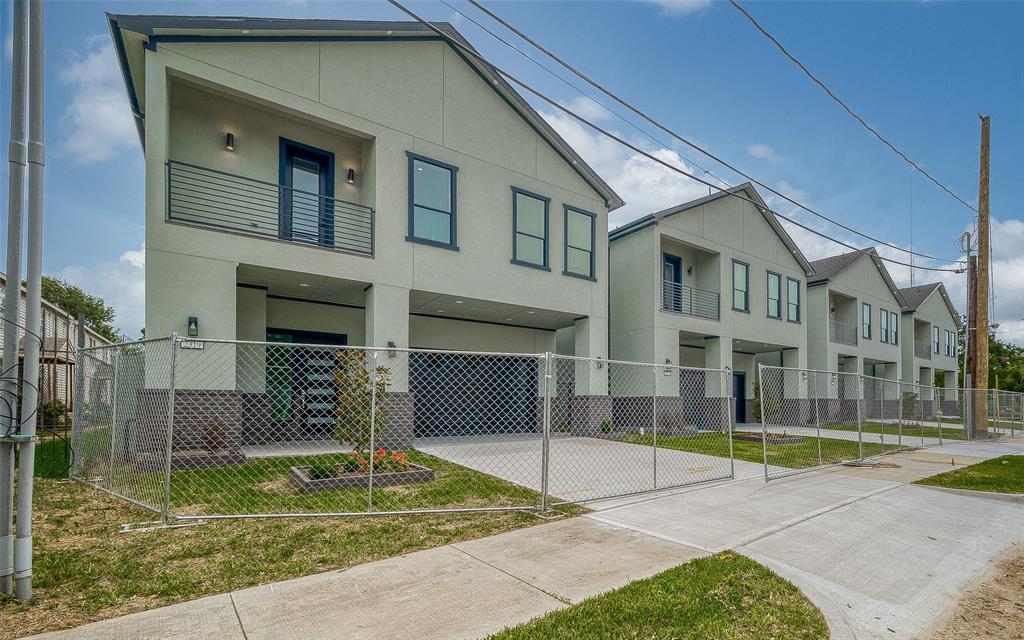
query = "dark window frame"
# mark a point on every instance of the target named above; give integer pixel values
(768, 298)
(325, 225)
(746, 287)
(516, 192)
(894, 332)
(935, 339)
(566, 208)
(866, 327)
(789, 303)
(411, 236)
(883, 326)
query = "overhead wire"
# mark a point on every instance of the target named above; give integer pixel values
(553, 103)
(680, 138)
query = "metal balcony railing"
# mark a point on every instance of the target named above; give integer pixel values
(923, 350)
(229, 202)
(676, 298)
(842, 333)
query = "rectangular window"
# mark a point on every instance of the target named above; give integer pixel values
(431, 202)
(883, 325)
(306, 204)
(865, 316)
(529, 229)
(950, 343)
(935, 339)
(579, 242)
(740, 286)
(774, 295)
(793, 300)
(894, 334)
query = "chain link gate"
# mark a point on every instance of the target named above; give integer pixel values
(198, 429)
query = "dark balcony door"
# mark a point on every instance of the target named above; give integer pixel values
(307, 194)
(739, 392)
(671, 281)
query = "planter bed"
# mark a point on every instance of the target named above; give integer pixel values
(189, 460)
(773, 438)
(413, 475)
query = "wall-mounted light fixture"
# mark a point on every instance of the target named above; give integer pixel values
(599, 363)
(229, 141)
(391, 349)
(689, 270)
(351, 176)
(193, 327)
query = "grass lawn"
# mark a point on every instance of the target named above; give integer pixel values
(722, 597)
(909, 430)
(1001, 475)
(85, 570)
(792, 456)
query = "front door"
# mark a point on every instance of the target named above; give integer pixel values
(300, 380)
(307, 194)
(739, 392)
(671, 283)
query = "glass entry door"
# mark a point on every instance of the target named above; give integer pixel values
(300, 380)
(307, 194)
(671, 283)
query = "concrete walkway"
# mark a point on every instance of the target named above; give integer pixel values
(882, 559)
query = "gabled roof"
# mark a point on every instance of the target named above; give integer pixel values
(147, 31)
(746, 190)
(914, 297)
(826, 269)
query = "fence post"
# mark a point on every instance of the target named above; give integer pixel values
(728, 415)
(654, 421)
(373, 428)
(165, 512)
(113, 422)
(899, 419)
(78, 415)
(545, 436)
(860, 427)
(764, 422)
(817, 413)
(881, 413)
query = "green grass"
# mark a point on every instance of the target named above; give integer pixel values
(909, 430)
(999, 475)
(792, 456)
(85, 570)
(722, 597)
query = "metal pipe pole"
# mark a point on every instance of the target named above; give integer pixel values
(169, 442)
(654, 423)
(34, 264)
(545, 434)
(860, 428)
(17, 154)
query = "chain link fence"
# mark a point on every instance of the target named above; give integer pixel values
(811, 419)
(193, 429)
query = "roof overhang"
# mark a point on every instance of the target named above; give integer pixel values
(882, 271)
(133, 34)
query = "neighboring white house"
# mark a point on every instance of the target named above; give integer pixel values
(931, 323)
(363, 183)
(716, 282)
(854, 310)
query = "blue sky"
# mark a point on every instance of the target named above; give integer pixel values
(918, 71)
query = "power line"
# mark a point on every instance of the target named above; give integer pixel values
(677, 136)
(729, 192)
(845, 106)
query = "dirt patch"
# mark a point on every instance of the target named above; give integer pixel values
(991, 609)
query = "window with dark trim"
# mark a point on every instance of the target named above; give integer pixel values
(740, 286)
(935, 339)
(432, 198)
(774, 295)
(579, 243)
(306, 205)
(883, 325)
(529, 229)
(793, 300)
(894, 333)
(865, 316)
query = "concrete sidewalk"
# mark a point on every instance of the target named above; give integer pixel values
(881, 559)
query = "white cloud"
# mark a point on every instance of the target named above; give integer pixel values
(763, 152)
(121, 284)
(97, 121)
(645, 185)
(680, 7)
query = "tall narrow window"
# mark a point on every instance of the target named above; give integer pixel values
(865, 315)
(529, 229)
(935, 339)
(431, 202)
(307, 194)
(740, 286)
(883, 325)
(793, 300)
(579, 242)
(894, 333)
(774, 295)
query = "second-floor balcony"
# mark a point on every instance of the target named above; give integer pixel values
(228, 202)
(688, 301)
(923, 350)
(842, 333)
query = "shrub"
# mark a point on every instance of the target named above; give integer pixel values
(321, 471)
(383, 460)
(52, 412)
(355, 399)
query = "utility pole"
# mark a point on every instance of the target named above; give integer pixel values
(18, 155)
(33, 307)
(981, 289)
